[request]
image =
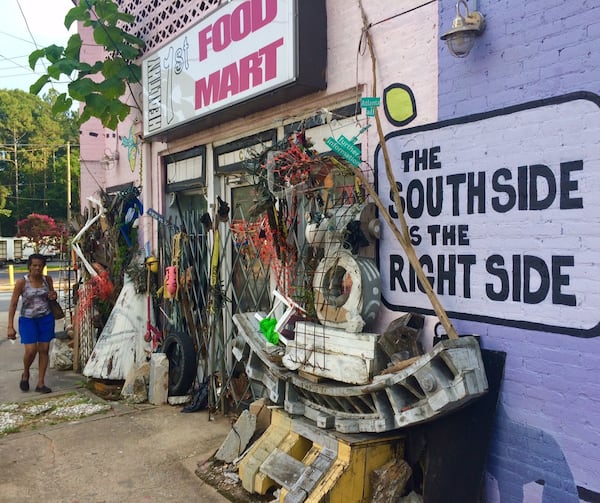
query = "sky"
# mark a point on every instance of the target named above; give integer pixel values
(27, 25)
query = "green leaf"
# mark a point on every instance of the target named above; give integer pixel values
(54, 53)
(67, 66)
(112, 88)
(79, 13)
(133, 40)
(107, 11)
(97, 102)
(73, 46)
(62, 104)
(86, 115)
(35, 56)
(110, 37)
(54, 72)
(112, 67)
(37, 86)
(80, 88)
(133, 73)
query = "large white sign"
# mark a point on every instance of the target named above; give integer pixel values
(504, 213)
(242, 50)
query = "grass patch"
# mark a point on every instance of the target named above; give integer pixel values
(33, 414)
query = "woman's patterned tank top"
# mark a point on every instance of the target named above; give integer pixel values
(34, 300)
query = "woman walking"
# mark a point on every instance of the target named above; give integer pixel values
(36, 322)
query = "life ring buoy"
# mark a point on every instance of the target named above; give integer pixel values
(346, 291)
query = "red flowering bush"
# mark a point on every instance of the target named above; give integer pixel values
(42, 230)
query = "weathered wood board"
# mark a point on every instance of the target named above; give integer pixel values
(332, 353)
(121, 344)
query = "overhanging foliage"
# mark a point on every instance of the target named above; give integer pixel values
(101, 85)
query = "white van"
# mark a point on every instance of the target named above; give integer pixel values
(49, 251)
(12, 250)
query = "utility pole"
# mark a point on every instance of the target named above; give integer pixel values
(16, 172)
(68, 184)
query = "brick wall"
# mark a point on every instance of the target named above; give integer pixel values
(546, 439)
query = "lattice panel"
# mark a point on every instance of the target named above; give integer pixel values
(157, 21)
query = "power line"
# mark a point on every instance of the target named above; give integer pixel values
(15, 37)
(12, 60)
(27, 25)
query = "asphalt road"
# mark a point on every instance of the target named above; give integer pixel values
(20, 271)
(60, 279)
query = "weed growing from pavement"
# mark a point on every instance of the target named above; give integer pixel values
(48, 411)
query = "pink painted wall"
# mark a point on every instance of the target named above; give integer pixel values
(104, 158)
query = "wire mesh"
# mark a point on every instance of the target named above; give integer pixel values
(294, 215)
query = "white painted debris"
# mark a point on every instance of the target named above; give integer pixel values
(179, 400)
(135, 388)
(121, 343)
(61, 355)
(158, 387)
(237, 439)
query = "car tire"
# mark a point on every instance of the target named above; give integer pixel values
(181, 355)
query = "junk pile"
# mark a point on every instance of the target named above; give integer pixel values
(122, 330)
(109, 310)
(340, 376)
(335, 387)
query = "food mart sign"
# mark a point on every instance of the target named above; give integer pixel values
(242, 51)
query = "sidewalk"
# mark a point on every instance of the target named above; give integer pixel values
(131, 453)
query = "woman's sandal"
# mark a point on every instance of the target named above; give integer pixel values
(43, 389)
(24, 384)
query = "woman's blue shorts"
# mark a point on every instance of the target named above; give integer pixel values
(34, 330)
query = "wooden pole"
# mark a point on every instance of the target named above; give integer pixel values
(68, 184)
(402, 236)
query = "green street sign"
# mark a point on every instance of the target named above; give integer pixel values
(340, 150)
(370, 102)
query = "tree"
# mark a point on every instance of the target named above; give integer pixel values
(99, 86)
(42, 231)
(33, 157)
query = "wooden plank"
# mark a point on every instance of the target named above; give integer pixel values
(121, 344)
(283, 468)
(334, 340)
(310, 377)
(340, 367)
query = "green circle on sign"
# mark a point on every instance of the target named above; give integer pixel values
(399, 104)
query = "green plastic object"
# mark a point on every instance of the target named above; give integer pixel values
(267, 327)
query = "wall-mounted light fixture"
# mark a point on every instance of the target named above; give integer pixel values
(461, 37)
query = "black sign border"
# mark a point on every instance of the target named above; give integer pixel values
(526, 325)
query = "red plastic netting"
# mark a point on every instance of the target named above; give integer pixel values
(99, 287)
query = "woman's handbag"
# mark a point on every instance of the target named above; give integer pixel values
(57, 311)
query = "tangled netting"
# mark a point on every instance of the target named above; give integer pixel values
(100, 287)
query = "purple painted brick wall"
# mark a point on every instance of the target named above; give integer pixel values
(529, 50)
(546, 441)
